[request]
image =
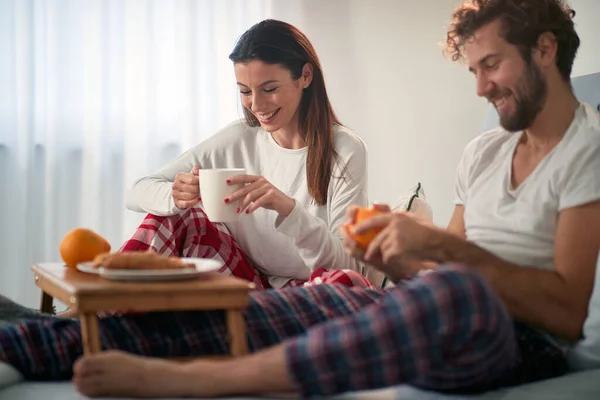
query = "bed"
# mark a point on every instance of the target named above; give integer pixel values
(580, 385)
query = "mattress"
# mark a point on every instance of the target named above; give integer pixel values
(580, 386)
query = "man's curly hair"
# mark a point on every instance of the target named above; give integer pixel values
(523, 21)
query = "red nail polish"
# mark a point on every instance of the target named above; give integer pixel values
(227, 200)
(237, 211)
(228, 180)
(247, 211)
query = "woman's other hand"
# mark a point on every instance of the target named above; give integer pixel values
(257, 193)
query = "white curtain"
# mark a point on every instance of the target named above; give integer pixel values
(93, 95)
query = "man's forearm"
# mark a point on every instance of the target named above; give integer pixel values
(410, 267)
(532, 295)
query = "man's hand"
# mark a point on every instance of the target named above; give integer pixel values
(349, 243)
(403, 236)
(399, 249)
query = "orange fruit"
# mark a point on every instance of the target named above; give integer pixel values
(367, 237)
(81, 245)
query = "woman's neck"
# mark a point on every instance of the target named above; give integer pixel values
(287, 140)
(289, 137)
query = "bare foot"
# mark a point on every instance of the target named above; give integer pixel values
(117, 374)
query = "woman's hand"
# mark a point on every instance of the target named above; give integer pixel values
(186, 189)
(259, 192)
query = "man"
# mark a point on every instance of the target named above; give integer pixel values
(526, 233)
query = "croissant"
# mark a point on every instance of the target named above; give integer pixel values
(138, 260)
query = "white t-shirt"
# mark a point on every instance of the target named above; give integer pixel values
(283, 248)
(520, 225)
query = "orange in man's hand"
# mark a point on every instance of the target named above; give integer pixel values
(81, 245)
(367, 237)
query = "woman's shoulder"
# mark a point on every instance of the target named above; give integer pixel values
(236, 130)
(229, 136)
(347, 142)
(351, 153)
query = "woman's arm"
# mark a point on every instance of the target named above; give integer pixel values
(319, 246)
(319, 243)
(153, 194)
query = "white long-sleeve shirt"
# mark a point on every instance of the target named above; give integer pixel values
(284, 248)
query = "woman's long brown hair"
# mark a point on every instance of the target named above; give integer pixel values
(277, 42)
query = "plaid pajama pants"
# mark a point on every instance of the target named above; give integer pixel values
(442, 331)
(192, 234)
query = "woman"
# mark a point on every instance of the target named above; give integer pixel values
(304, 169)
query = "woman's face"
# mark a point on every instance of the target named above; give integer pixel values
(271, 94)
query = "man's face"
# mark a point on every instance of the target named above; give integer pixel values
(516, 88)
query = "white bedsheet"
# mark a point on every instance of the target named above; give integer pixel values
(8, 376)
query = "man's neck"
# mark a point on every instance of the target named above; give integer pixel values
(555, 118)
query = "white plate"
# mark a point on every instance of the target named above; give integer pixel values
(202, 265)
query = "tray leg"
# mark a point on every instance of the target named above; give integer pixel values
(46, 303)
(238, 344)
(90, 334)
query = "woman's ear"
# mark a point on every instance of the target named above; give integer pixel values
(307, 75)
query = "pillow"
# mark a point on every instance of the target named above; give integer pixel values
(413, 201)
(585, 354)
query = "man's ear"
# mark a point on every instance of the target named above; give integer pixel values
(546, 49)
(307, 75)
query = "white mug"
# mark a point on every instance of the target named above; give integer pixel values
(213, 191)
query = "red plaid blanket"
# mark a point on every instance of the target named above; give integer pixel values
(191, 234)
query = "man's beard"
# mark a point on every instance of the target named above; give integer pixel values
(529, 97)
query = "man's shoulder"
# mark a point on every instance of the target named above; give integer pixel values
(588, 130)
(582, 138)
(488, 142)
(592, 117)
